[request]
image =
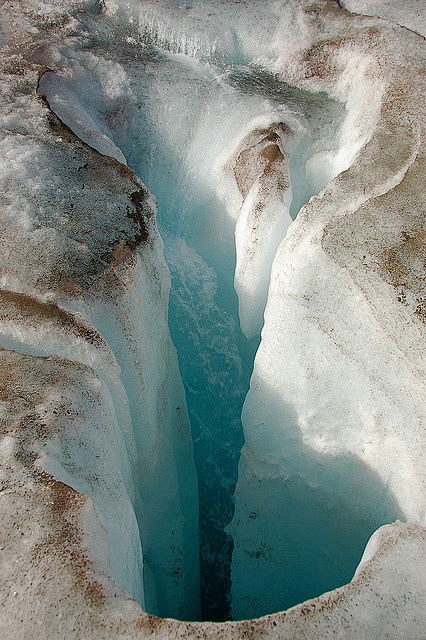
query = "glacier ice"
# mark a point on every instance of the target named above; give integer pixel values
(276, 150)
(261, 170)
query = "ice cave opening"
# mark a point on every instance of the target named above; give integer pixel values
(231, 153)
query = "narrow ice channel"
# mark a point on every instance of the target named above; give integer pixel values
(177, 116)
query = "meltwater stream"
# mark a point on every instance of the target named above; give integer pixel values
(215, 358)
(177, 120)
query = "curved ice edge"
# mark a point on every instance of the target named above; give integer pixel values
(389, 13)
(55, 535)
(386, 576)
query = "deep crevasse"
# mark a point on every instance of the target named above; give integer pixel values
(177, 147)
(178, 117)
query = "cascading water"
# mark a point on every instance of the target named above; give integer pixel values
(176, 109)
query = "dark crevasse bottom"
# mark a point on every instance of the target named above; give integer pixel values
(215, 361)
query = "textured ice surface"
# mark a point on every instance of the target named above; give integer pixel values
(83, 277)
(410, 14)
(55, 557)
(261, 170)
(234, 124)
(191, 126)
(333, 395)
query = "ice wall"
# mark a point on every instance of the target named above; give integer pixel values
(83, 277)
(227, 148)
(332, 421)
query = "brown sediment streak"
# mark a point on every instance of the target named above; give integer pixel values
(33, 310)
(257, 154)
(139, 216)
